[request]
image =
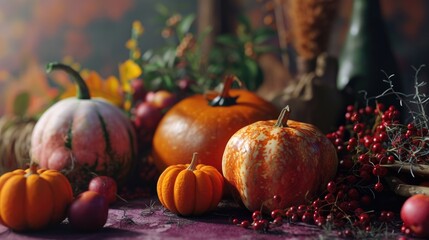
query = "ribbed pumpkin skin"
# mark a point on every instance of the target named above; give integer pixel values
(35, 201)
(76, 132)
(190, 192)
(192, 125)
(295, 162)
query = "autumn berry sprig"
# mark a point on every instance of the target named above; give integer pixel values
(408, 141)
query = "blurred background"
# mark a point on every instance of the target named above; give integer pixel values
(93, 33)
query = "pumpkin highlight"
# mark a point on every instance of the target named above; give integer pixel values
(190, 189)
(33, 199)
(287, 158)
(198, 125)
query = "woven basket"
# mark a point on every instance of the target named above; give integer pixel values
(15, 139)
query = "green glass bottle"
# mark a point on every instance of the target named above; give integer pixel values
(365, 55)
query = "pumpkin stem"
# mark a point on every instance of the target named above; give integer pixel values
(283, 117)
(224, 99)
(194, 162)
(82, 88)
(32, 169)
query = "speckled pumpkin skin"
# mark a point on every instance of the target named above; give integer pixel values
(295, 162)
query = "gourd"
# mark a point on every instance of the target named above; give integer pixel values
(190, 189)
(282, 157)
(198, 125)
(33, 199)
(83, 136)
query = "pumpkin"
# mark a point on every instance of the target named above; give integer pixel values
(83, 136)
(290, 159)
(190, 189)
(197, 125)
(33, 199)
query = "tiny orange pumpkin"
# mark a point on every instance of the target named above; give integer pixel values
(190, 189)
(33, 199)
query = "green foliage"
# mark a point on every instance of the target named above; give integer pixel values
(21, 104)
(181, 56)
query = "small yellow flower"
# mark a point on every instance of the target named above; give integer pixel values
(131, 44)
(136, 54)
(138, 28)
(128, 71)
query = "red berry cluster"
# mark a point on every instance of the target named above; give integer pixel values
(260, 223)
(363, 148)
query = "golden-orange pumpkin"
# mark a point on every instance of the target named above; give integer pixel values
(33, 199)
(198, 125)
(291, 159)
(190, 189)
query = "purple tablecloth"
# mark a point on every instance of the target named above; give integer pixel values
(147, 219)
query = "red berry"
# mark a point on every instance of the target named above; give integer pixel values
(245, 224)
(330, 198)
(276, 213)
(378, 187)
(307, 217)
(331, 187)
(277, 198)
(256, 215)
(353, 194)
(363, 158)
(358, 127)
(278, 221)
(364, 218)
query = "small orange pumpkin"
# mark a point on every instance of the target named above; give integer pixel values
(198, 125)
(190, 189)
(33, 199)
(291, 159)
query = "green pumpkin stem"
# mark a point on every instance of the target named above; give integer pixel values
(82, 88)
(194, 162)
(225, 99)
(283, 117)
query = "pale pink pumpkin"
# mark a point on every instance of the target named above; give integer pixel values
(290, 159)
(84, 135)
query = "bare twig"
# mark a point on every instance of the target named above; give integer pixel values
(405, 190)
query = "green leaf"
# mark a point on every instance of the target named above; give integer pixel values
(147, 55)
(21, 103)
(262, 35)
(185, 25)
(169, 57)
(266, 49)
(162, 10)
(251, 73)
(158, 61)
(226, 40)
(150, 68)
(168, 81)
(243, 19)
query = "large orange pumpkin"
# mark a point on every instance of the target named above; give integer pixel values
(198, 125)
(291, 159)
(33, 199)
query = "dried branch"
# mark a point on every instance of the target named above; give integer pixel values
(405, 190)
